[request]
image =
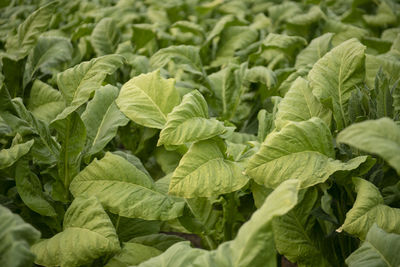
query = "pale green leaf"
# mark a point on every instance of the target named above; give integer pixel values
(125, 190)
(335, 75)
(105, 37)
(389, 66)
(317, 48)
(299, 104)
(16, 238)
(261, 74)
(132, 254)
(44, 101)
(189, 122)
(380, 137)
(147, 99)
(295, 237)
(186, 56)
(385, 16)
(11, 155)
(159, 241)
(19, 45)
(379, 249)
(203, 172)
(78, 83)
(102, 119)
(368, 209)
(304, 19)
(343, 31)
(87, 235)
(302, 151)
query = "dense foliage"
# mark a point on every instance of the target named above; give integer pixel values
(262, 128)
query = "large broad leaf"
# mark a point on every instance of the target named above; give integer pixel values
(203, 171)
(343, 31)
(190, 122)
(389, 66)
(295, 237)
(48, 56)
(335, 75)
(87, 235)
(380, 137)
(19, 45)
(385, 15)
(132, 254)
(184, 55)
(125, 190)
(317, 48)
(105, 37)
(301, 150)
(253, 245)
(30, 189)
(72, 134)
(45, 102)
(148, 98)
(368, 209)
(299, 104)
(379, 249)
(102, 119)
(78, 83)
(11, 155)
(16, 238)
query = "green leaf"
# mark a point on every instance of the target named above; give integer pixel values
(295, 237)
(186, 56)
(125, 190)
(132, 254)
(368, 209)
(30, 189)
(335, 76)
(299, 104)
(78, 83)
(72, 134)
(317, 48)
(189, 122)
(380, 137)
(105, 37)
(389, 66)
(300, 150)
(48, 56)
(19, 45)
(87, 235)
(16, 238)
(11, 155)
(253, 245)
(261, 74)
(343, 31)
(45, 102)
(148, 98)
(385, 16)
(159, 241)
(102, 119)
(203, 172)
(379, 249)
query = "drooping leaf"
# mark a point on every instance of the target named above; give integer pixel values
(368, 209)
(147, 99)
(132, 254)
(87, 235)
(102, 119)
(48, 56)
(19, 45)
(295, 237)
(78, 83)
(125, 190)
(343, 31)
(204, 171)
(183, 55)
(159, 241)
(44, 101)
(335, 75)
(30, 189)
(189, 122)
(11, 155)
(317, 48)
(379, 249)
(105, 37)
(380, 137)
(299, 104)
(16, 238)
(300, 150)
